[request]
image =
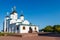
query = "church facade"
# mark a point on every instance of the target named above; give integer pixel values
(13, 24)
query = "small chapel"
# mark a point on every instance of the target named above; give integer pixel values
(14, 24)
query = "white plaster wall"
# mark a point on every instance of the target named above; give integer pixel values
(14, 16)
(37, 29)
(4, 25)
(12, 21)
(22, 18)
(25, 22)
(27, 29)
(11, 16)
(9, 29)
(24, 31)
(18, 20)
(33, 28)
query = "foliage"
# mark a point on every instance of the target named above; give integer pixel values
(55, 28)
(1, 34)
(5, 34)
(48, 29)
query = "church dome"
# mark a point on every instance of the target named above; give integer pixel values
(7, 17)
(13, 12)
(18, 20)
(21, 15)
(26, 22)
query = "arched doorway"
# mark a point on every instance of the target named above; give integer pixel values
(17, 27)
(30, 30)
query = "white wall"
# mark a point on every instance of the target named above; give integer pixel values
(24, 31)
(27, 29)
(12, 21)
(14, 16)
(33, 28)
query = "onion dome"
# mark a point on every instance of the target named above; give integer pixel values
(14, 10)
(21, 15)
(7, 16)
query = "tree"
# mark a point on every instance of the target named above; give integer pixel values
(48, 29)
(56, 28)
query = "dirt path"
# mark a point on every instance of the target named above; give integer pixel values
(29, 38)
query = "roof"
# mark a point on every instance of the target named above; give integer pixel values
(21, 15)
(27, 25)
(14, 12)
(7, 16)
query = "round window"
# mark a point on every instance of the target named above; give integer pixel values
(23, 28)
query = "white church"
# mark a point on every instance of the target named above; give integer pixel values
(13, 24)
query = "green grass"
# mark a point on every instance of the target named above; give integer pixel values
(5, 34)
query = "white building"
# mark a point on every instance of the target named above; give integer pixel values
(13, 24)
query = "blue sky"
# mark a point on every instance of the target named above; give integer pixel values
(39, 12)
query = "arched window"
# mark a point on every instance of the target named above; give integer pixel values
(23, 27)
(35, 28)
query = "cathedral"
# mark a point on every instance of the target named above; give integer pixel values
(13, 24)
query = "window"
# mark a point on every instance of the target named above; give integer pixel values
(23, 27)
(35, 28)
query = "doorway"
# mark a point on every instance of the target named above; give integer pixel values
(30, 30)
(17, 29)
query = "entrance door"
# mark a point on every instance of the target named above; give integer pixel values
(17, 29)
(30, 30)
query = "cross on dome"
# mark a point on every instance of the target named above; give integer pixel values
(7, 13)
(21, 13)
(14, 8)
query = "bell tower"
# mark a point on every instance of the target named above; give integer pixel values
(6, 23)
